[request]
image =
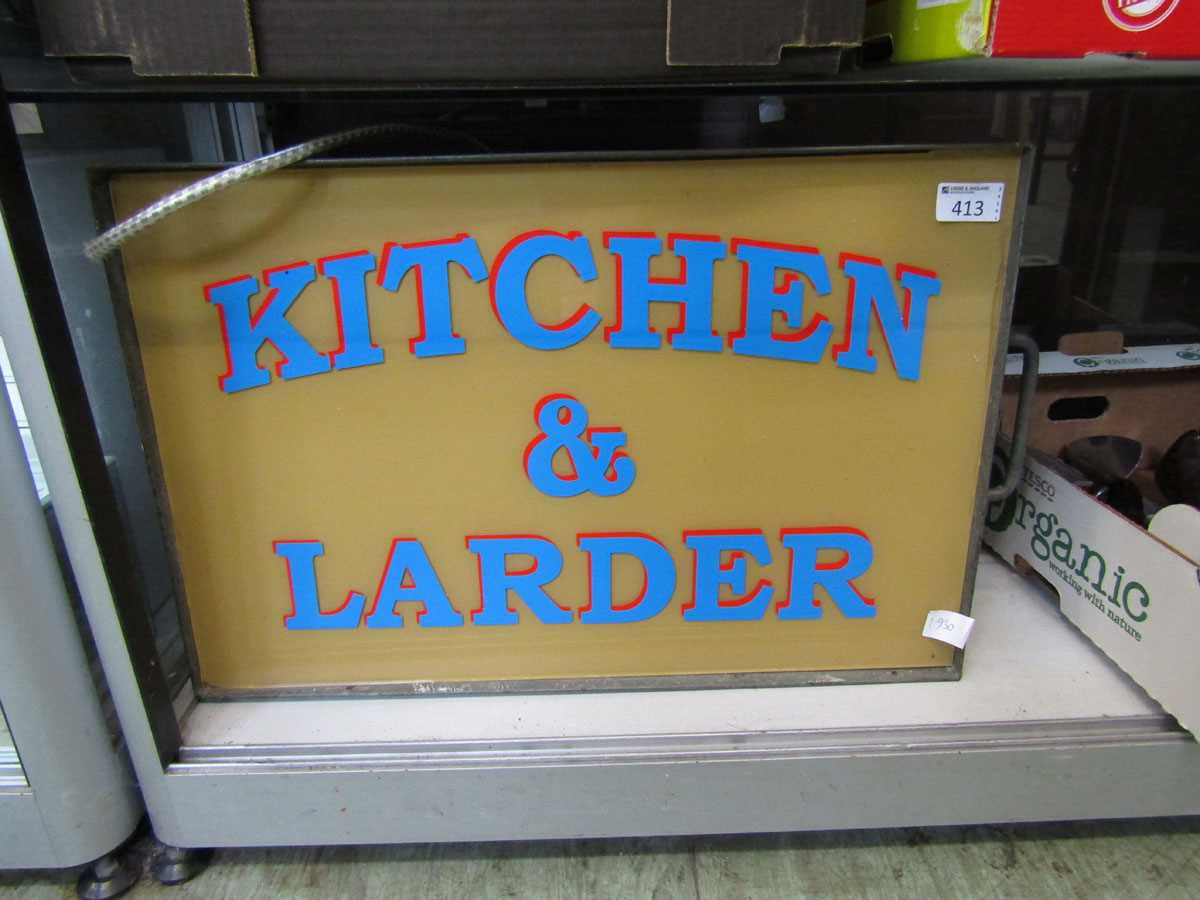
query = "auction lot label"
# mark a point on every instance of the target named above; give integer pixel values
(443, 426)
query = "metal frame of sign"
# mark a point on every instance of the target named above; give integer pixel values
(105, 217)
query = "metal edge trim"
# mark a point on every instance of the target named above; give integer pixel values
(673, 748)
(991, 422)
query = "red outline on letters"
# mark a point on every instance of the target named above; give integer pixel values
(385, 258)
(825, 567)
(541, 436)
(255, 317)
(271, 295)
(617, 454)
(292, 588)
(208, 288)
(681, 279)
(370, 611)
(479, 567)
(605, 236)
(587, 437)
(838, 349)
(906, 309)
(723, 566)
(633, 604)
(583, 310)
(337, 303)
(901, 269)
(781, 289)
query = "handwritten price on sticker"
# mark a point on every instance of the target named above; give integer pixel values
(941, 625)
(948, 627)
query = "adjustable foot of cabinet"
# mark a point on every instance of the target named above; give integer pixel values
(175, 865)
(108, 877)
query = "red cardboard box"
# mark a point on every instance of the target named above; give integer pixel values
(920, 30)
(1150, 28)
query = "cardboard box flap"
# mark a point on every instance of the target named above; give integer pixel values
(160, 37)
(1146, 359)
(292, 39)
(701, 33)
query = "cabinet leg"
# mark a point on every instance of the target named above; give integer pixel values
(175, 865)
(109, 876)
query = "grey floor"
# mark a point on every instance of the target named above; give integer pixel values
(1147, 859)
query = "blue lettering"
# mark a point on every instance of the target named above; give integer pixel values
(511, 304)
(636, 290)
(836, 578)
(244, 334)
(711, 573)
(903, 331)
(306, 614)
(347, 273)
(495, 579)
(761, 300)
(658, 571)
(408, 561)
(431, 263)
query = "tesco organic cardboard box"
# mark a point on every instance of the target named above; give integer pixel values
(945, 29)
(1134, 596)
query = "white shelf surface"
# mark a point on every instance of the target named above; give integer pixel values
(1025, 663)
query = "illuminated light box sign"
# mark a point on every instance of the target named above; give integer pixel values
(559, 424)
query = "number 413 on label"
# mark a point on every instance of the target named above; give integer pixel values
(967, 201)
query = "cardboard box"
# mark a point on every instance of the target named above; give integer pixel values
(469, 40)
(920, 30)
(1135, 597)
(945, 29)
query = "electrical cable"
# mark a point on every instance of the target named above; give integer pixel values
(101, 246)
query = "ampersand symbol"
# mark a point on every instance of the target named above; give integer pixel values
(597, 465)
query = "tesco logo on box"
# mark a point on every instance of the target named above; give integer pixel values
(1138, 15)
(1152, 29)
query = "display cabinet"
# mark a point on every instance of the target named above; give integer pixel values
(68, 795)
(1041, 725)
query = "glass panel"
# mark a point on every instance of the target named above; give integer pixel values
(1110, 233)
(11, 772)
(725, 449)
(14, 399)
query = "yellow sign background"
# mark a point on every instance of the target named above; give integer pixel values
(432, 448)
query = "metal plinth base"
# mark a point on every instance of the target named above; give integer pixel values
(175, 865)
(109, 876)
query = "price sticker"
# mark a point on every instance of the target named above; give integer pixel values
(969, 201)
(948, 627)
